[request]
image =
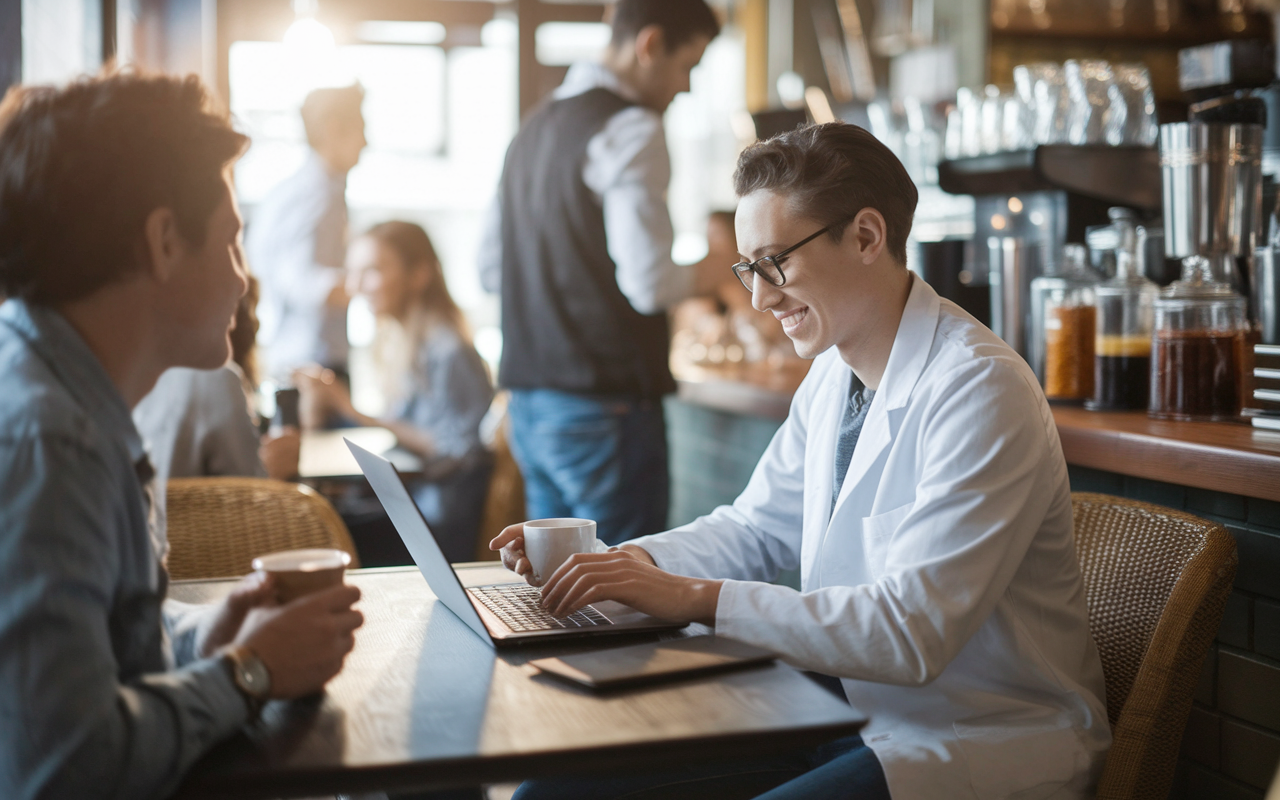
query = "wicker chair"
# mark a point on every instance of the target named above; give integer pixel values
(1156, 581)
(218, 525)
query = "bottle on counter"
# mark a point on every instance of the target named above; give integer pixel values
(1195, 358)
(1064, 314)
(1122, 345)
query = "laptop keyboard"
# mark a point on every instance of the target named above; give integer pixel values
(516, 604)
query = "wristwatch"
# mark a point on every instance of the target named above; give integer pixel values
(251, 676)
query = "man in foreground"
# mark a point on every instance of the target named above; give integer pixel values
(919, 485)
(119, 251)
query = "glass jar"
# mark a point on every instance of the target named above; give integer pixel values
(1122, 346)
(1064, 323)
(1195, 358)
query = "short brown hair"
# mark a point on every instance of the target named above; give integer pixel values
(681, 21)
(831, 172)
(83, 166)
(323, 107)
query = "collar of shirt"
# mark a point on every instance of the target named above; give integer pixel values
(587, 75)
(79, 371)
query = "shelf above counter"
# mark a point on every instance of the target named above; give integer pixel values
(1128, 176)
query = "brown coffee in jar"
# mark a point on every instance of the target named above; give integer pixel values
(1069, 351)
(1195, 375)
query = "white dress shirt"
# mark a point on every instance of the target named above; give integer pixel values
(944, 588)
(628, 168)
(296, 244)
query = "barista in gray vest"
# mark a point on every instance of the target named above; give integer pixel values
(579, 244)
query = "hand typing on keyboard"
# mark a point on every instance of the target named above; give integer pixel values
(520, 607)
(626, 574)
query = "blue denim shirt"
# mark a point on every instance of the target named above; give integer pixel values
(100, 693)
(448, 393)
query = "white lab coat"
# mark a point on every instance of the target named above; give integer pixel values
(945, 589)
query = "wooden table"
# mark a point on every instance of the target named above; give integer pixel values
(324, 456)
(423, 702)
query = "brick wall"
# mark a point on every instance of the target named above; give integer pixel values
(1232, 743)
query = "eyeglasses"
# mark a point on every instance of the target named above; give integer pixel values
(769, 267)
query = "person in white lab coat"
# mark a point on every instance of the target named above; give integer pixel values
(918, 483)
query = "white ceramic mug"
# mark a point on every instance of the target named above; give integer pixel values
(548, 543)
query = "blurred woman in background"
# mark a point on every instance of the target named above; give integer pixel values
(436, 386)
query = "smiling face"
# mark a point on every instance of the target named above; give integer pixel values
(822, 304)
(377, 272)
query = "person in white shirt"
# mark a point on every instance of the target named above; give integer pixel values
(919, 485)
(579, 245)
(199, 423)
(297, 241)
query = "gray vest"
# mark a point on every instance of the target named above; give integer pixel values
(565, 323)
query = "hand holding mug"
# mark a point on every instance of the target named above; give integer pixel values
(535, 549)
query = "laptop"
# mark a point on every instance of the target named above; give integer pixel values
(502, 614)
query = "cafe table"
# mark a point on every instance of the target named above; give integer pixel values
(323, 455)
(423, 702)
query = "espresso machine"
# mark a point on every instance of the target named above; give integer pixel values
(1030, 203)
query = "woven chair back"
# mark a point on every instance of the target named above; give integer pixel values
(1156, 582)
(217, 526)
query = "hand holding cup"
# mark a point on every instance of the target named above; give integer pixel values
(535, 549)
(304, 637)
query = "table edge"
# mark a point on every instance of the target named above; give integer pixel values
(479, 770)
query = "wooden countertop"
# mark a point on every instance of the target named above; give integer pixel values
(1222, 456)
(756, 389)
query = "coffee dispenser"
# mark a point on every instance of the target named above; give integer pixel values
(1212, 177)
(1213, 167)
(1030, 203)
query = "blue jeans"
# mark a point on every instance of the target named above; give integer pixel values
(845, 769)
(594, 457)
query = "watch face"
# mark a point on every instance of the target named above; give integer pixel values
(253, 677)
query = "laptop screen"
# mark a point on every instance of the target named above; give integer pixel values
(412, 527)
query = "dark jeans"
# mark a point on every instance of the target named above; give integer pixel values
(845, 769)
(599, 458)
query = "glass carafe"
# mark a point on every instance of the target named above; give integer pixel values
(1064, 326)
(1195, 369)
(1122, 347)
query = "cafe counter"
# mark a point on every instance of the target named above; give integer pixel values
(721, 420)
(1221, 457)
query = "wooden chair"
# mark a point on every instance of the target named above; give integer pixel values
(1156, 582)
(218, 525)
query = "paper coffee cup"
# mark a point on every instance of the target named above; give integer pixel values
(548, 543)
(301, 572)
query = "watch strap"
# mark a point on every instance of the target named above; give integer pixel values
(240, 659)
